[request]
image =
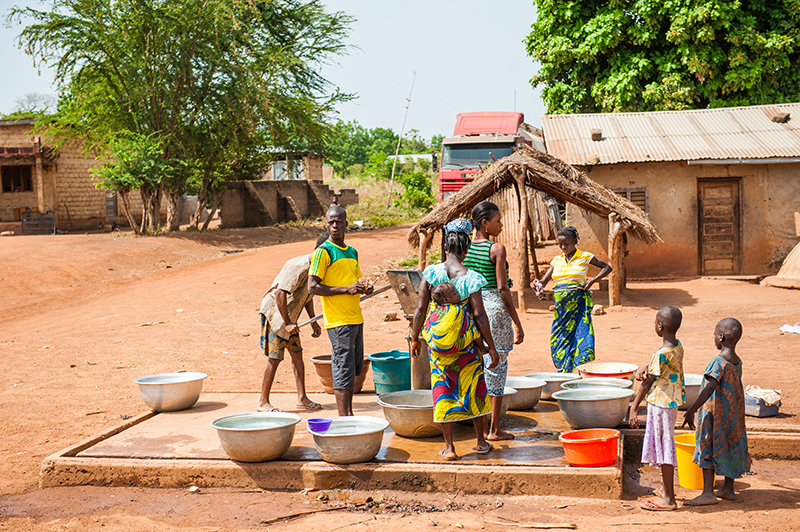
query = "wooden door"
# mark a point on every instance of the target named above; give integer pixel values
(718, 216)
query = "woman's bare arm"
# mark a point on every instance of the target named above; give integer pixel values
(605, 269)
(419, 313)
(498, 255)
(482, 322)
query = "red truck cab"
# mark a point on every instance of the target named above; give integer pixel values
(477, 138)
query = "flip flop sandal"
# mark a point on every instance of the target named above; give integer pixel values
(272, 409)
(446, 458)
(310, 406)
(655, 507)
(485, 451)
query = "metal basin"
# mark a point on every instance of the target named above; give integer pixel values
(351, 439)
(410, 413)
(591, 408)
(256, 436)
(594, 382)
(508, 393)
(169, 392)
(553, 380)
(620, 370)
(528, 392)
(692, 385)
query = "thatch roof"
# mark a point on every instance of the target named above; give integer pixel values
(542, 172)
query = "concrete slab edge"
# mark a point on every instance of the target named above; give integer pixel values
(601, 482)
(773, 445)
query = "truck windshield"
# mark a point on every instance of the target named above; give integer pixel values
(469, 155)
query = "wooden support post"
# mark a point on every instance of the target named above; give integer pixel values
(623, 270)
(532, 221)
(522, 239)
(616, 231)
(424, 242)
(39, 178)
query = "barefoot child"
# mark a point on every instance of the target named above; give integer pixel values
(662, 382)
(721, 437)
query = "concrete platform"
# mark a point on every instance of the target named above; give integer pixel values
(181, 449)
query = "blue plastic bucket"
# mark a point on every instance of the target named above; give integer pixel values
(391, 371)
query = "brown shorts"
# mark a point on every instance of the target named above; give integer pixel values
(273, 345)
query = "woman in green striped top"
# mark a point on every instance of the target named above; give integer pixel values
(489, 259)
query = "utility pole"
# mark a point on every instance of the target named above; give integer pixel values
(399, 139)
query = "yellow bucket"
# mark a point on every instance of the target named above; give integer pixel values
(690, 476)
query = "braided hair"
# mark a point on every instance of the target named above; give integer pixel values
(484, 210)
(569, 232)
(457, 242)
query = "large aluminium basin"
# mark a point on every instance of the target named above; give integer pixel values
(410, 413)
(528, 392)
(553, 380)
(693, 385)
(256, 436)
(350, 439)
(594, 382)
(594, 408)
(169, 392)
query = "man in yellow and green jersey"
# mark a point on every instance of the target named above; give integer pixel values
(334, 276)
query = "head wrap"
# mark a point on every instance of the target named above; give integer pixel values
(459, 225)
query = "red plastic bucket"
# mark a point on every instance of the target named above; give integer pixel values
(590, 447)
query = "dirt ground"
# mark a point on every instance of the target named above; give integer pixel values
(82, 315)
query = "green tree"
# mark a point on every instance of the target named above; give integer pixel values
(649, 55)
(220, 84)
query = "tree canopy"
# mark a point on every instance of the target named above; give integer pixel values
(349, 144)
(651, 55)
(216, 85)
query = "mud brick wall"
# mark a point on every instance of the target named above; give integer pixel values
(312, 168)
(80, 204)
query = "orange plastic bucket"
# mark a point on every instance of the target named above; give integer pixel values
(590, 447)
(690, 475)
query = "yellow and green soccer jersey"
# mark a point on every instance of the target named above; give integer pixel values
(337, 266)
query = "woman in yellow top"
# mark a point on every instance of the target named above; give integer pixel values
(572, 334)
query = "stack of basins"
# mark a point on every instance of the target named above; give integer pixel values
(594, 401)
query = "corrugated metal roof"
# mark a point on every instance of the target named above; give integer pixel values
(704, 134)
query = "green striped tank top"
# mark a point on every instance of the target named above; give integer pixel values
(478, 259)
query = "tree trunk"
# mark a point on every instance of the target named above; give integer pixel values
(522, 241)
(126, 208)
(202, 200)
(217, 197)
(146, 208)
(174, 211)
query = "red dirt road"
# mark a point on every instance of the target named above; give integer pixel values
(82, 315)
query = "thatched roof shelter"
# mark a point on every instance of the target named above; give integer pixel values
(540, 171)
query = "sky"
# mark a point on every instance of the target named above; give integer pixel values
(469, 56)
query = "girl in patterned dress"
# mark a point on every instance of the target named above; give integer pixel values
(720, 434)
(572, 334)
(662, 382)
(453, 333)
(489, 259)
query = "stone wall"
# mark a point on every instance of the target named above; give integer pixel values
(258, 203)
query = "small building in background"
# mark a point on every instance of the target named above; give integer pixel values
(36, 185)
(292, 189)
(721, 185)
